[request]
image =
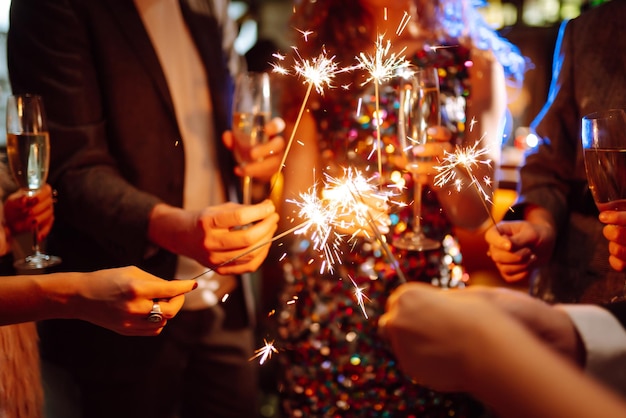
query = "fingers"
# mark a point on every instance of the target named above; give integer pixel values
(615, 233)
(225, 244)
(439, 133)
(263, 169)
(166, 290)
(228, 139)
(275, 126)
(232, 215)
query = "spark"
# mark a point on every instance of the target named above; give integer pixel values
(317, 72)
(358, 208)
(360, 297)
(305, 34)
(320, 218)
(472, 123)
(264, 352)
(467, 158)
(434, 48)
(403, 23)
(381, 66)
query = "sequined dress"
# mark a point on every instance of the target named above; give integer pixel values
(333, 363)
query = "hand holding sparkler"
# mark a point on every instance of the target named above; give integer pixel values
(214, 237)
(519, 247)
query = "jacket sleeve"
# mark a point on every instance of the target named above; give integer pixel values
(50, 53)
(604, 337)
(548, 173)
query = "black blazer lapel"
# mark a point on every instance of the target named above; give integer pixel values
(131, 25)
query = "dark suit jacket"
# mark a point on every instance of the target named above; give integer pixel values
(588, 76)
(116, 146)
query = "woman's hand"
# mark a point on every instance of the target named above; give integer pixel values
(121, 299)
(23, 212)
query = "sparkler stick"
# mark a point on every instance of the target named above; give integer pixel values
(256, 247)
(317, 72)
(381, 67)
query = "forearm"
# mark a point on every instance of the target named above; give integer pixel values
(168, 226)
(37, 297)
(520, 377)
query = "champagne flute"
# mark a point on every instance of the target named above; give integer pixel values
(251, 111)
(419, 110)
(604, 149)
(28, 151)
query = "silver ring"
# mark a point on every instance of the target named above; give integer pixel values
(155, 314)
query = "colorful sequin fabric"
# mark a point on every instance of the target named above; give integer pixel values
(333, 363)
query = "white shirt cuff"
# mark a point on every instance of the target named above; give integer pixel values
(604, 338)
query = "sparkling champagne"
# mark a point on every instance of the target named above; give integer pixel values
(425, 113)
(249, 131)
(29, 159)
(606, 174)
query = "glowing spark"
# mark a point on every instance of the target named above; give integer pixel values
(320, 220)
(434, 48)
(278, 56)
(360, 297)
(264, 352)
(305, 34)
(472, 123)
(403, 23)
(381, 66)
(467, 159)
(318, 71)
(358, 209)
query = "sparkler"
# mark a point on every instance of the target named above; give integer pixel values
(467, 159)
(321, 219)
(360, 188)
(251, 250)
(317, 72)
(381, 66)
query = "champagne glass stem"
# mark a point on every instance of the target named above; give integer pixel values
(417, 205)
(36, 247)
(247, 190)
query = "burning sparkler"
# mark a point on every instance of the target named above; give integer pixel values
(316, 72)
(321, 218)
(361, 190)
(466, 158)
(381, 66)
